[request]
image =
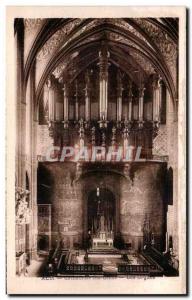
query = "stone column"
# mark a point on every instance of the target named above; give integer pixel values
(103, 82)
(20, 103)
(34, 166)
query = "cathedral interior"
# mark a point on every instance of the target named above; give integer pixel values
(106, 84)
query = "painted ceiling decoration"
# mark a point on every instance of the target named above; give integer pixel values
(33, 24)
(57, 39)
(144, 46)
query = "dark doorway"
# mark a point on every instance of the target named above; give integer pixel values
(43, 243)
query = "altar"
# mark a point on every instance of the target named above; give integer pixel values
(103, 239)
(102, 242)
(101, 212)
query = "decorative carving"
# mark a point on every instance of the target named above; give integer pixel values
(33, 24)
(81, 131)
(141, 60)
(93, 136)
(163, 42)
(23, 212)
(51, 127)
(160, 38)
(64, 64)
(103, 62)
(113, 136)
(123, 24)
(103, 123)
(160, 142)
(57, 39)
(103, 139)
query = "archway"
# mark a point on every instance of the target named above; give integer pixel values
(101, 209)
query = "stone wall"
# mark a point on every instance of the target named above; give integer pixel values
(67, 213)
(139, 199)
(142, 204)
(44, 141)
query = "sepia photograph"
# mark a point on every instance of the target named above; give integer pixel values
(96, 190)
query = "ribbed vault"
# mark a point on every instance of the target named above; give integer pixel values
(140, 47)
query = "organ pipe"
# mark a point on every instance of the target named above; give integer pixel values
(65, 104)
(51, 99)
(130, 99)
(141, 98)
(119, 97)
(76, 102)
(157, 99)
(103, 82)
(87, 97)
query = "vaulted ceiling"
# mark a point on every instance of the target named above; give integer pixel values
(65, 47)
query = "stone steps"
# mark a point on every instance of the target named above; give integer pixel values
(104, 251)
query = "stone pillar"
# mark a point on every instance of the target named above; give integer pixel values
(20, 104)
(34, 165)
(172, 139)
(103, 81)
(20, 158)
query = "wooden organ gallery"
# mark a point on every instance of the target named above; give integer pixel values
(104, 84)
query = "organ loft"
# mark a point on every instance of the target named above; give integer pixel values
(96, 155)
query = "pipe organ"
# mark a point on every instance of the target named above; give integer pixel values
(87, 97)
(119, 96)
(130, 98)
(65, 104)
(131, 127)
(103, 82)
(157, 98)
(51, 100)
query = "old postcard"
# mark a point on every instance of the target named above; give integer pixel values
(96, 146)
